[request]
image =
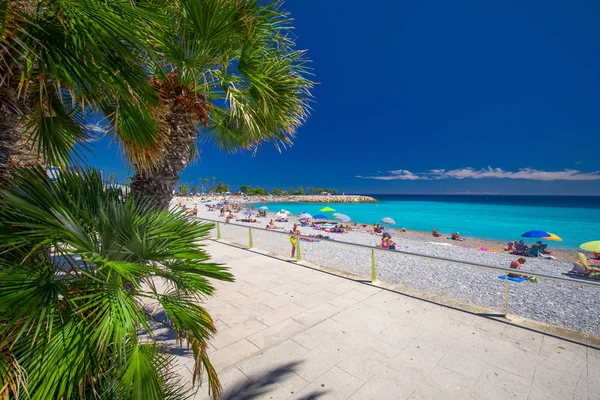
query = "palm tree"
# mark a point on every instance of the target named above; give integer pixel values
(83, 287)
(231, 76)
(111, 178)
(61, 60)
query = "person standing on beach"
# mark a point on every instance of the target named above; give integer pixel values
(294, 239)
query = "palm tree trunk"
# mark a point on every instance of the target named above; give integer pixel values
(157, 185)
(10, 113)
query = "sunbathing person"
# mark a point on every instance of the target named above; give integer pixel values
(391, 244)
(384, 241)
(436, 233)
(456, 236)
(272, 225)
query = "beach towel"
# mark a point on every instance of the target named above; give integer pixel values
(512, 278)
(309, 240)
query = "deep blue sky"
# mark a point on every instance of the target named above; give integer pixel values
(434, 85)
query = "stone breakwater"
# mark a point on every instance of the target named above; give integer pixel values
(315, 199)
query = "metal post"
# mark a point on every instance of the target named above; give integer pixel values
(373, 270)
(506, 296)
(298, 256)
(218, 231)
(250, 244)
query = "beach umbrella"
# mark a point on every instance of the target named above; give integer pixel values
(536, 234)
(305, 215)
(320, 216)
(553, 237)
(342, 217)
(591, 246)
(388, 220)
(280, 215)
(249, 213)
(326, 209)
(264, 208)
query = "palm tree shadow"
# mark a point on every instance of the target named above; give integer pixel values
(258, 389)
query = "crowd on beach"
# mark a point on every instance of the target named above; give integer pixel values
(230, 210)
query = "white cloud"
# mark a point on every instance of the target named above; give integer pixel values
(487, 173)
(400, 174)
(95, 131)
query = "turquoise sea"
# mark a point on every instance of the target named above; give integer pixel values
(576, 219)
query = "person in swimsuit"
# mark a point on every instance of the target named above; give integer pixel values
(294, 239)
(516, 264)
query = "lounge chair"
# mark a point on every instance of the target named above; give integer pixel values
(583, 266)
(534, 252)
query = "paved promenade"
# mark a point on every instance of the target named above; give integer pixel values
(288, 331)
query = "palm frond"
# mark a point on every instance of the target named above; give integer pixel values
(78, 261)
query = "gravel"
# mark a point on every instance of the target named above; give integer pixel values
(560, 304)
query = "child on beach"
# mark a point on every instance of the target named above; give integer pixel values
(294, 239)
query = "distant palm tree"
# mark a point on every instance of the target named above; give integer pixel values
(111, 178)
(229, 75)
(81, 288)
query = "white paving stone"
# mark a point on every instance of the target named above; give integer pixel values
(284, 334)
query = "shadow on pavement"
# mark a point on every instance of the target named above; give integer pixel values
(260, 389)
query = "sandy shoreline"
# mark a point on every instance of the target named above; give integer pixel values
(557, 303)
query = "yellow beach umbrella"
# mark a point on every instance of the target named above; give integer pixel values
(326, 209)
(553, 237)
(591, 246)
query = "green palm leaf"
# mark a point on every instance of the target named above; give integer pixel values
(79, 266)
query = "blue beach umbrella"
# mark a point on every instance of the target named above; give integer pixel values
(320, 216)
(536, 234)
(305, 215)
(387, 220)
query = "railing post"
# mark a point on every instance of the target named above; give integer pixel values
(250, 244)
(218, 231)
(298, 256)
(373, 270)
(506, 296)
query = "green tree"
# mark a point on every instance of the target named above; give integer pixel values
(111, 178)
(300, 191)
(63, 60)
(71, 329)
(311, 189)
(292, 191)
(334, 191)
(222, 188)
(327, 190)
(234, 79)
(246, 189)
(183, 189)
(194, 189)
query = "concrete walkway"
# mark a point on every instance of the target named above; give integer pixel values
(288, 331)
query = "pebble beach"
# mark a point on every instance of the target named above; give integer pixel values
(560, 304)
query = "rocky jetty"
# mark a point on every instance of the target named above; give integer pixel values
(315, 199)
